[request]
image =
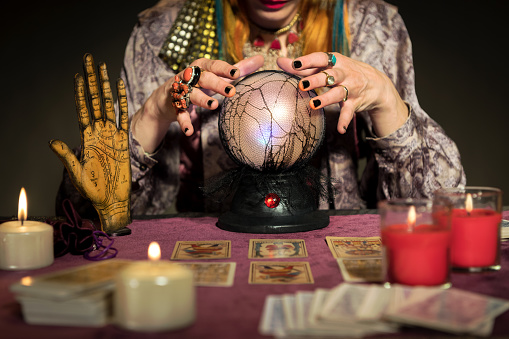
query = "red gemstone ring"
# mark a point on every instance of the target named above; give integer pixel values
(182, 88)
(192, 75)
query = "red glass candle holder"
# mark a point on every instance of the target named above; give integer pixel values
(476, 226)
(416, 246)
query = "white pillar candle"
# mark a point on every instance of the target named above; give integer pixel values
(25, 244)
(154, 296)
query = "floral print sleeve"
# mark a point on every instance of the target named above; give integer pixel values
(419, 157)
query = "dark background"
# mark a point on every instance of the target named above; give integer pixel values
(459, 54)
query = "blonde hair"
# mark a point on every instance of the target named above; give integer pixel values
(316, 31)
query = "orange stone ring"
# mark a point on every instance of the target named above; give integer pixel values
(191, 75)
(181, 89)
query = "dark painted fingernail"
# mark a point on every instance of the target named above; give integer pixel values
(297, 64)
(344, 127)
(185, 130)
(316, 103)
(305, 84)
(210, 102)
(228, 89)
(232, 72)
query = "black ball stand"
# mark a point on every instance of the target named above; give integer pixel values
(296, 211)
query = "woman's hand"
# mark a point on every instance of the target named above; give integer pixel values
(153, 120)
(356, 86)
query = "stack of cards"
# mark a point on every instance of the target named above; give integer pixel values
(80, 296)
(350, 310)
(359, 259)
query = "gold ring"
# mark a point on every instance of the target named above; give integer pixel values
(346, 90)
(329, 81)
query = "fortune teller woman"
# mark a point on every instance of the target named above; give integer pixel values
(355, 53)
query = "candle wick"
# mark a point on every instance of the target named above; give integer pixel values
(22, 221)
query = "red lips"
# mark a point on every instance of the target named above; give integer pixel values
(273, 4)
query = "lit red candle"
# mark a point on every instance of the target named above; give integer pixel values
(475, 236)
(416, 250)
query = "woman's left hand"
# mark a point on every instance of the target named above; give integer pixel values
(356, 86)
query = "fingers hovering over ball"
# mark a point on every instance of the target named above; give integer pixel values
(345, 117)
(212, 82)
(201, 99)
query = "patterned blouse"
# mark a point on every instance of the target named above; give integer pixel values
(413, 161)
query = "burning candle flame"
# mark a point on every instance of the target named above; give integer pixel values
(412, 216)
(22, 206)
(469, 203)
(27, 281)
(154, 251)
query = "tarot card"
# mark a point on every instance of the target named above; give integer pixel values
(315, 307)
(210, 249)
(361, 269)
(274, 248)
(212, 274)
(72, 282)
(452, 310)
(375, 303)
(280, 273)
(272, 321)
(302, 306)
(317, 326)
(343, 305)
(349, 247)
(289, 311)
(343, 302)
(505, 229)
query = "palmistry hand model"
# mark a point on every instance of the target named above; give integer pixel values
(103, 172)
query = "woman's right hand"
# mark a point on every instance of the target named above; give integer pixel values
(150, 123)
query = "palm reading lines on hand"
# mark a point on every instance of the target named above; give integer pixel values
(103, 173)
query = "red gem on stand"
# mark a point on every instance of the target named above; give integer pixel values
(272, 200)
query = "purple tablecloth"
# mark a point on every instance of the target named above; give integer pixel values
(231, 312)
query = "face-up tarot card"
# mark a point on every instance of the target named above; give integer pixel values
(361, 269)
(280, 273)
(212, 273)
(210, 249)
(349, 247)
(277, 248)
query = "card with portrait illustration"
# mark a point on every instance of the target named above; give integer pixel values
(277, 248)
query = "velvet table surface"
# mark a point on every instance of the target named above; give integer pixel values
(234, 312)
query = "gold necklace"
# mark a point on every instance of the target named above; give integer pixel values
(257, 47)
(282, 29)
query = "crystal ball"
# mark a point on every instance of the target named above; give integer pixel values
(268, 124)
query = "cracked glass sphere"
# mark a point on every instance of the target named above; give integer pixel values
(268, 124)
